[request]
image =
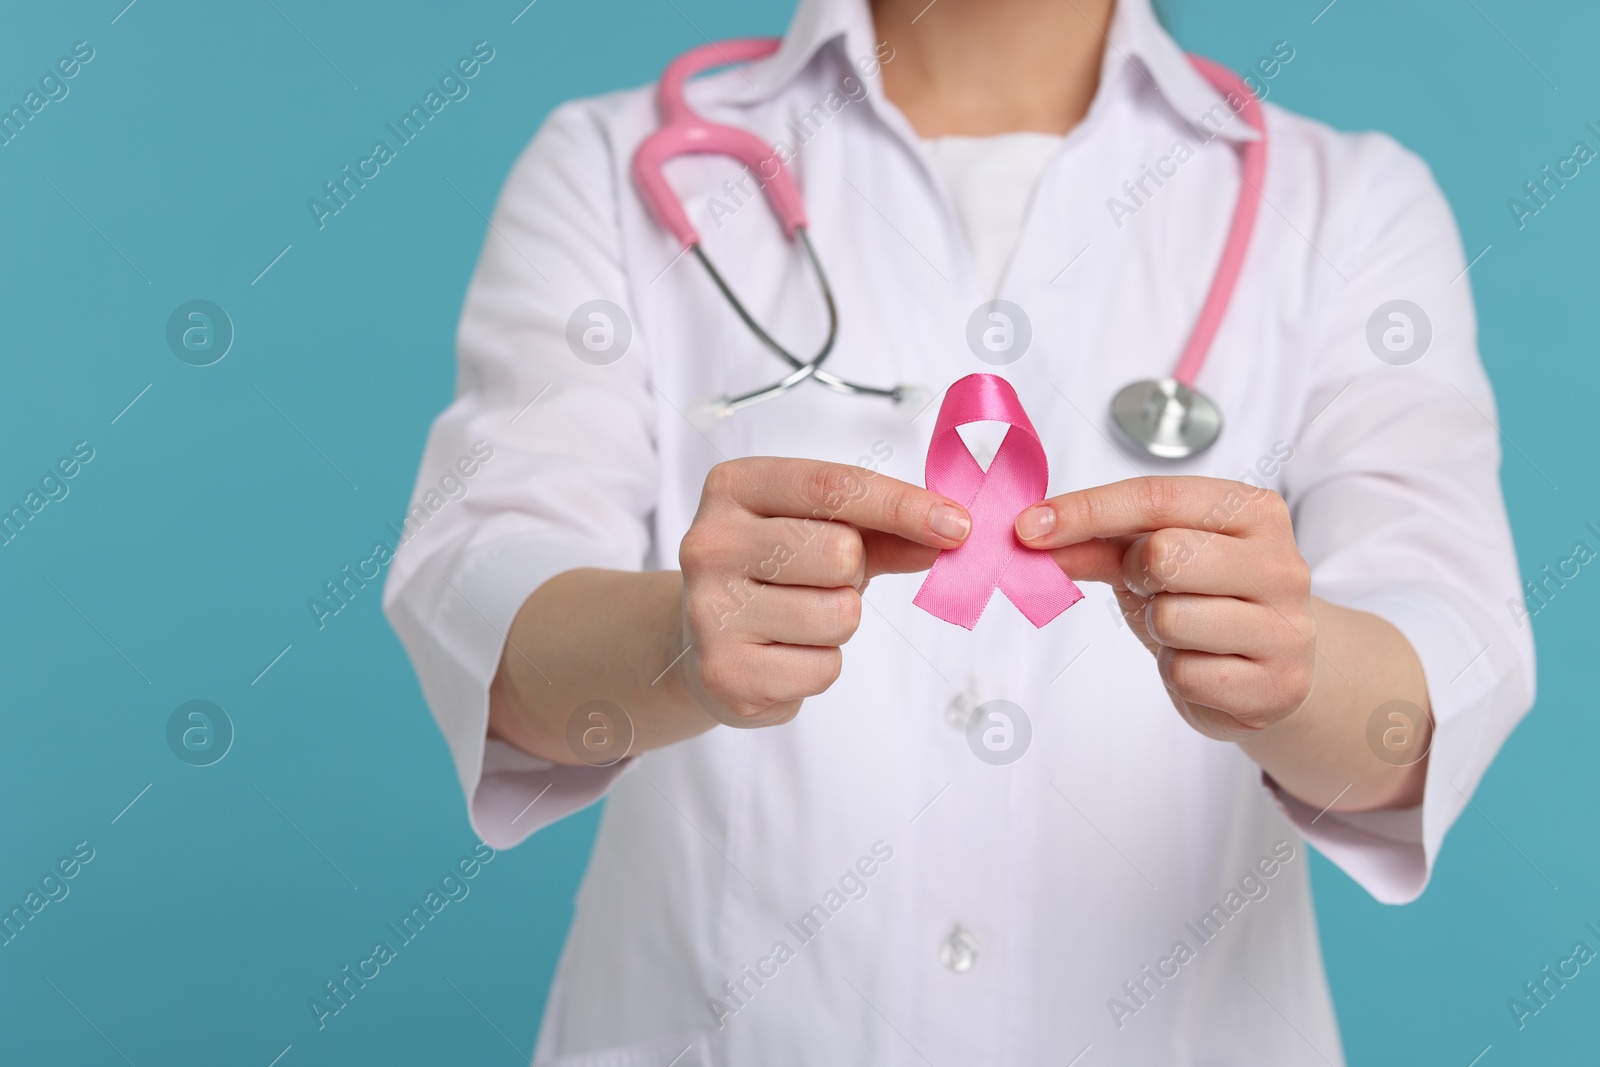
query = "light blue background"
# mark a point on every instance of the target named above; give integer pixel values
(180, 564)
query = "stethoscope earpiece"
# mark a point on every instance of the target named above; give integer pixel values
(915, 398)
(707, 414)
(911, 398)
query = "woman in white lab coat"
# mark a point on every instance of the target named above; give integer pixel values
(845, 831)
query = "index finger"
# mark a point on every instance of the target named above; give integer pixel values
(839, 492)
(1141, 505)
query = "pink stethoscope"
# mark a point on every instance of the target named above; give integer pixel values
(1164, 417)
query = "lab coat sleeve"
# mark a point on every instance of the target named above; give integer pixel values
(565, 466)
(1395, 492)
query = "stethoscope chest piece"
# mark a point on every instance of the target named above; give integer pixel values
(1166, 418)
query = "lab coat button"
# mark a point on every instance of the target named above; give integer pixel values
(960, 709)
(959, 950)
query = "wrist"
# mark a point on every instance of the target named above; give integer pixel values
(678, 652)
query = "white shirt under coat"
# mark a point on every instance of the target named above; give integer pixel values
(933, 908)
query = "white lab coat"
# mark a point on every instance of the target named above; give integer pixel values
(931, 907)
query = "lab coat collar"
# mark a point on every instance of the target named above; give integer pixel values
(1136, 40)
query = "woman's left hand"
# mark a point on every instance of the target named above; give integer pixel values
(1209, 578)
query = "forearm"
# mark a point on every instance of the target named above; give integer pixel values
(593, 634)
(1321, 753)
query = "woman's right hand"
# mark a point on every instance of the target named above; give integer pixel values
(774, 565)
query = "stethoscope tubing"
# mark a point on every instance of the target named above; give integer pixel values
(803, 369)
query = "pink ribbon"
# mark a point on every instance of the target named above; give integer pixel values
(963, 579)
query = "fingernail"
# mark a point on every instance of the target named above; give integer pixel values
(949, 521)
(1035, 523)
